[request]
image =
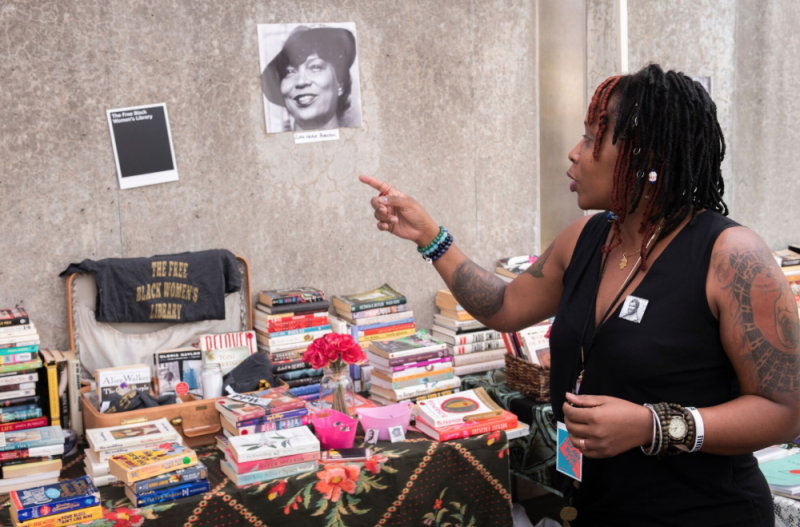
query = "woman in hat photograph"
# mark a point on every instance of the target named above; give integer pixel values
(309, 76)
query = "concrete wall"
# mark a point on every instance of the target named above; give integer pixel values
(450, 116)
(767, 120)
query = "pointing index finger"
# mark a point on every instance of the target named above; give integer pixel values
(373, 182)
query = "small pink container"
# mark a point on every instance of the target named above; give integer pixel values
(385, 417)
(334, 429)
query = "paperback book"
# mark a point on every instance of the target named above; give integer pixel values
(249, 478)
(178, 371)
(58, 498)
(228, 349)
(151, 462)
(467, 406)
(290, 296)
(270, 445)
(13, 317)
(381, 297)
(416, 344)
(505, 421)
(169, 494)
(64, 519)
(267, 464)
(28, 439)
(197, 472)
(114, 383)
(123, 436)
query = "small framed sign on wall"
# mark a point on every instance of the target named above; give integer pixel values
(142, 145)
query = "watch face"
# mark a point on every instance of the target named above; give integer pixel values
(677, 428)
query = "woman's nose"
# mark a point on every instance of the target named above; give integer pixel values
(575, 154)
(301, 79)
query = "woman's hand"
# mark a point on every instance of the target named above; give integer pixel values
(602, 426)
(400, 214)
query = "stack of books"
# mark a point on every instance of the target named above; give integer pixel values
(257, 458)
(466, 414)
(378, 315)
(104, 443)
(30, 458)
(411, 369)
(68, 502)
(20, 403)
(287, 321)
(531, 344)
(474, 347)
(512, 267)
(264, 411)
(167, 472)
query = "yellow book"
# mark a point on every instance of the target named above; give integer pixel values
(388, 378)
(65, 518)
(151, 462)
(388, 336)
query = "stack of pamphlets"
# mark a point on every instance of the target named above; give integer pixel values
(411, 368)
(122, 439)
(266, 456)
(287, 321)
(68, 502)
(30, 458)
(512, 267)
(264, 411)
(465, 414)
(167, 472)
(474, 348)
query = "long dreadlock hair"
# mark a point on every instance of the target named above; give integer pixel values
(668, 123)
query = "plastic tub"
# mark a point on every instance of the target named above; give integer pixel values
(334, 429)
(385, 417)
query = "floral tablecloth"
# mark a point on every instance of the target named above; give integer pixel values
(787, 511)
(417, 482)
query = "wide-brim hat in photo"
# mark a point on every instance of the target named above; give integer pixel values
(333, 44)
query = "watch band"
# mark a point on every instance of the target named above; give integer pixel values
(698, 427)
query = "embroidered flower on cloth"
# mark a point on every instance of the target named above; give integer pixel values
(335, 479)
(124, 517)
(276, 491)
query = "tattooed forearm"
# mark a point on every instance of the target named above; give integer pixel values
(477, 290)
(765, 313)
(536, 269)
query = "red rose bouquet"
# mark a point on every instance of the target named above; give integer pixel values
(335, 352)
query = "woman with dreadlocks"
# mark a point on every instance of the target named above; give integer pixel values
(676, 340)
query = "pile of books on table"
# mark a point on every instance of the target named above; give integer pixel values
(104, 443)
(264, 411)
(512, 267)
(29, 458)
(287, 321)
(466, 414)
(166, 472)
(68, 502)
(411, 369)
(474, 347)
(257, 458)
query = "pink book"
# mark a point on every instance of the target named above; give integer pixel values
(265, 464)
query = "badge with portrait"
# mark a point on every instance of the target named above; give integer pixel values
(633, 309)
(569, 460)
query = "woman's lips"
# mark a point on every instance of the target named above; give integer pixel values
(305, 99)
(572, 184)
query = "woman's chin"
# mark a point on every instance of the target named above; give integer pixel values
(587, 203)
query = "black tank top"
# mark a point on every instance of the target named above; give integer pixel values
(673, 355)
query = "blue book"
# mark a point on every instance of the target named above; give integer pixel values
(299, 331)
(248, 478)
(22, 415)
(36, 437)
(297, 412)
(169, 494)
(299, 374)
(171, 479)
(19, 408)
(57, 498)
(304, 390)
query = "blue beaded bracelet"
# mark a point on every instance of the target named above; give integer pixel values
(439, 250)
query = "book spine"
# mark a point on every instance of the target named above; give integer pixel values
(31, 444)
(411, 374)
(437, 394)
(267, 464)
(299, 374)
(61, 507)
(53, 406)
(121, 445)
(160, 467)
(74, 517)
(173, 493)
(358, 308)
(272, 349)
(297, 339)
(285, 356)
(441, 348)
(476, 429)
(386, 324)
(236, 417)
(385, 336)
(21, 349)
(22, 415)
(24, 425)
(8, 330)
(311, 396)
(387, 329)
(371, 313)
(288, 366)
(20, 320)
(288, 414)
(275, 473)
(480, 336)
(75, 403)
(11, 403)
(284, 424)
(11, 380)
(304, 390)
(480, 367)
(413, 365)
(14, 387)
(410, 359)
(299, 331)
(422, 389)
(302, 382)
(32, 365)
(187, 475)
(16, 357)
(482, 356)
(288, 451)
(278, 320)
(486, 345)
(276, 327)
(15, 394)
(27, 336)
(423, 380)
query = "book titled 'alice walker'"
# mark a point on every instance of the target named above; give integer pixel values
(113, 382)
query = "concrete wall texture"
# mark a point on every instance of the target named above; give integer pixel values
(449, 103)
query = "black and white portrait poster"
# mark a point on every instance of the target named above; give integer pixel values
(309, 76)
(142, 145)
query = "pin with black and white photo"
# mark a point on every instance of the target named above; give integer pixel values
(396, 433)
(633, 309)
(372, 435)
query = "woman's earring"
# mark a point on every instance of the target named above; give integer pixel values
(611, 217)
(652, 176)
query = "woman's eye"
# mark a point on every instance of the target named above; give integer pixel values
(586, 138)
(290, 71)
(316, 67)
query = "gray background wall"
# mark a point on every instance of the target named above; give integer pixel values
(449, 104)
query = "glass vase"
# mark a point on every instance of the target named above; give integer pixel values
(336, 389)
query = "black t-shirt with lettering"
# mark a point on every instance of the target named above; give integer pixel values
(186, 287)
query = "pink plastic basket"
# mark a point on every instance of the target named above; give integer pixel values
(334, 429)
(385, 417)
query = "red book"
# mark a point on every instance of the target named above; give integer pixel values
(266, 464)
(275, 327)
(24, 425)
(387, 329)
(507, 421)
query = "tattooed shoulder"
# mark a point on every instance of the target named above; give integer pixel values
(756, 294)
(479, 291)
(536, 269)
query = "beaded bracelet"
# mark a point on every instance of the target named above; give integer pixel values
(438, 251)
(439, 237)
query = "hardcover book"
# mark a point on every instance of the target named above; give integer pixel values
(169, 494)
(150, 462)
(506, 421)
(27, 439)
(470, 405)
(47, 500)
(75, 517)
(13, 317)
(185, 475)
(270, 445)
(381, 297)
(178, 371)
(290, 296)
(228, 349)
(123, 436)
(240, 480)
(416, 344)
(119, 382)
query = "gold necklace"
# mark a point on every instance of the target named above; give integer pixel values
(624, 262)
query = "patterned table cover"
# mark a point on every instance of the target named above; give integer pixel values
(416, 482)
(787, 511)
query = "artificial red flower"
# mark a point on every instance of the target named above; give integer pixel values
(124, 517)
(437, 505)
(276, 491)
(315, 356)
(354, 354)
(335, 479)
